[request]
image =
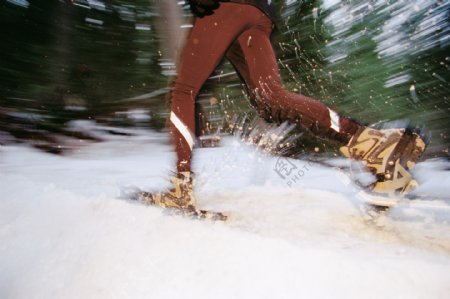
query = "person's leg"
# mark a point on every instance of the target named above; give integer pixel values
(236, 57)
(389, 154)
(206, 45)
(253, 57)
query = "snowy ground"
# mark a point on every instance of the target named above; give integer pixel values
(65, 232)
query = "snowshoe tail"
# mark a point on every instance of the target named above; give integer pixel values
(378, 200)
(179, 199)
(200, 214)
(191, 211)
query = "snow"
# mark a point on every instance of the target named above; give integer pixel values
(66, 232)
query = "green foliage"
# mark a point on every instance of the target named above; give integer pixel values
(373, 61)
(62, 56)
(387, 70)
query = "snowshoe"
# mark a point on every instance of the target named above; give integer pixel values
(389, 154)
(180, 199)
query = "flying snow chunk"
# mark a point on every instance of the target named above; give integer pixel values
(142, 27)
(414, 96)
(396, 80)
(94, 21)
(136, 114)
(327, 4)
(97, 5)
(337, 57)
(22, 3)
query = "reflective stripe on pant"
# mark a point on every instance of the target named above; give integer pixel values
(242, 33)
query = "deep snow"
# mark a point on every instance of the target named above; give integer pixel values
(66, 232)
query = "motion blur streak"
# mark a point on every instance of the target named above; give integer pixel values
(99, 61)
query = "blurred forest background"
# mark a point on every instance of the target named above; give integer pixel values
(66, 65)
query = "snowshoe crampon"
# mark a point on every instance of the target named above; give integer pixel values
(179, 200)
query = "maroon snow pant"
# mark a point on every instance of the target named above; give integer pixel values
(241, 32)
